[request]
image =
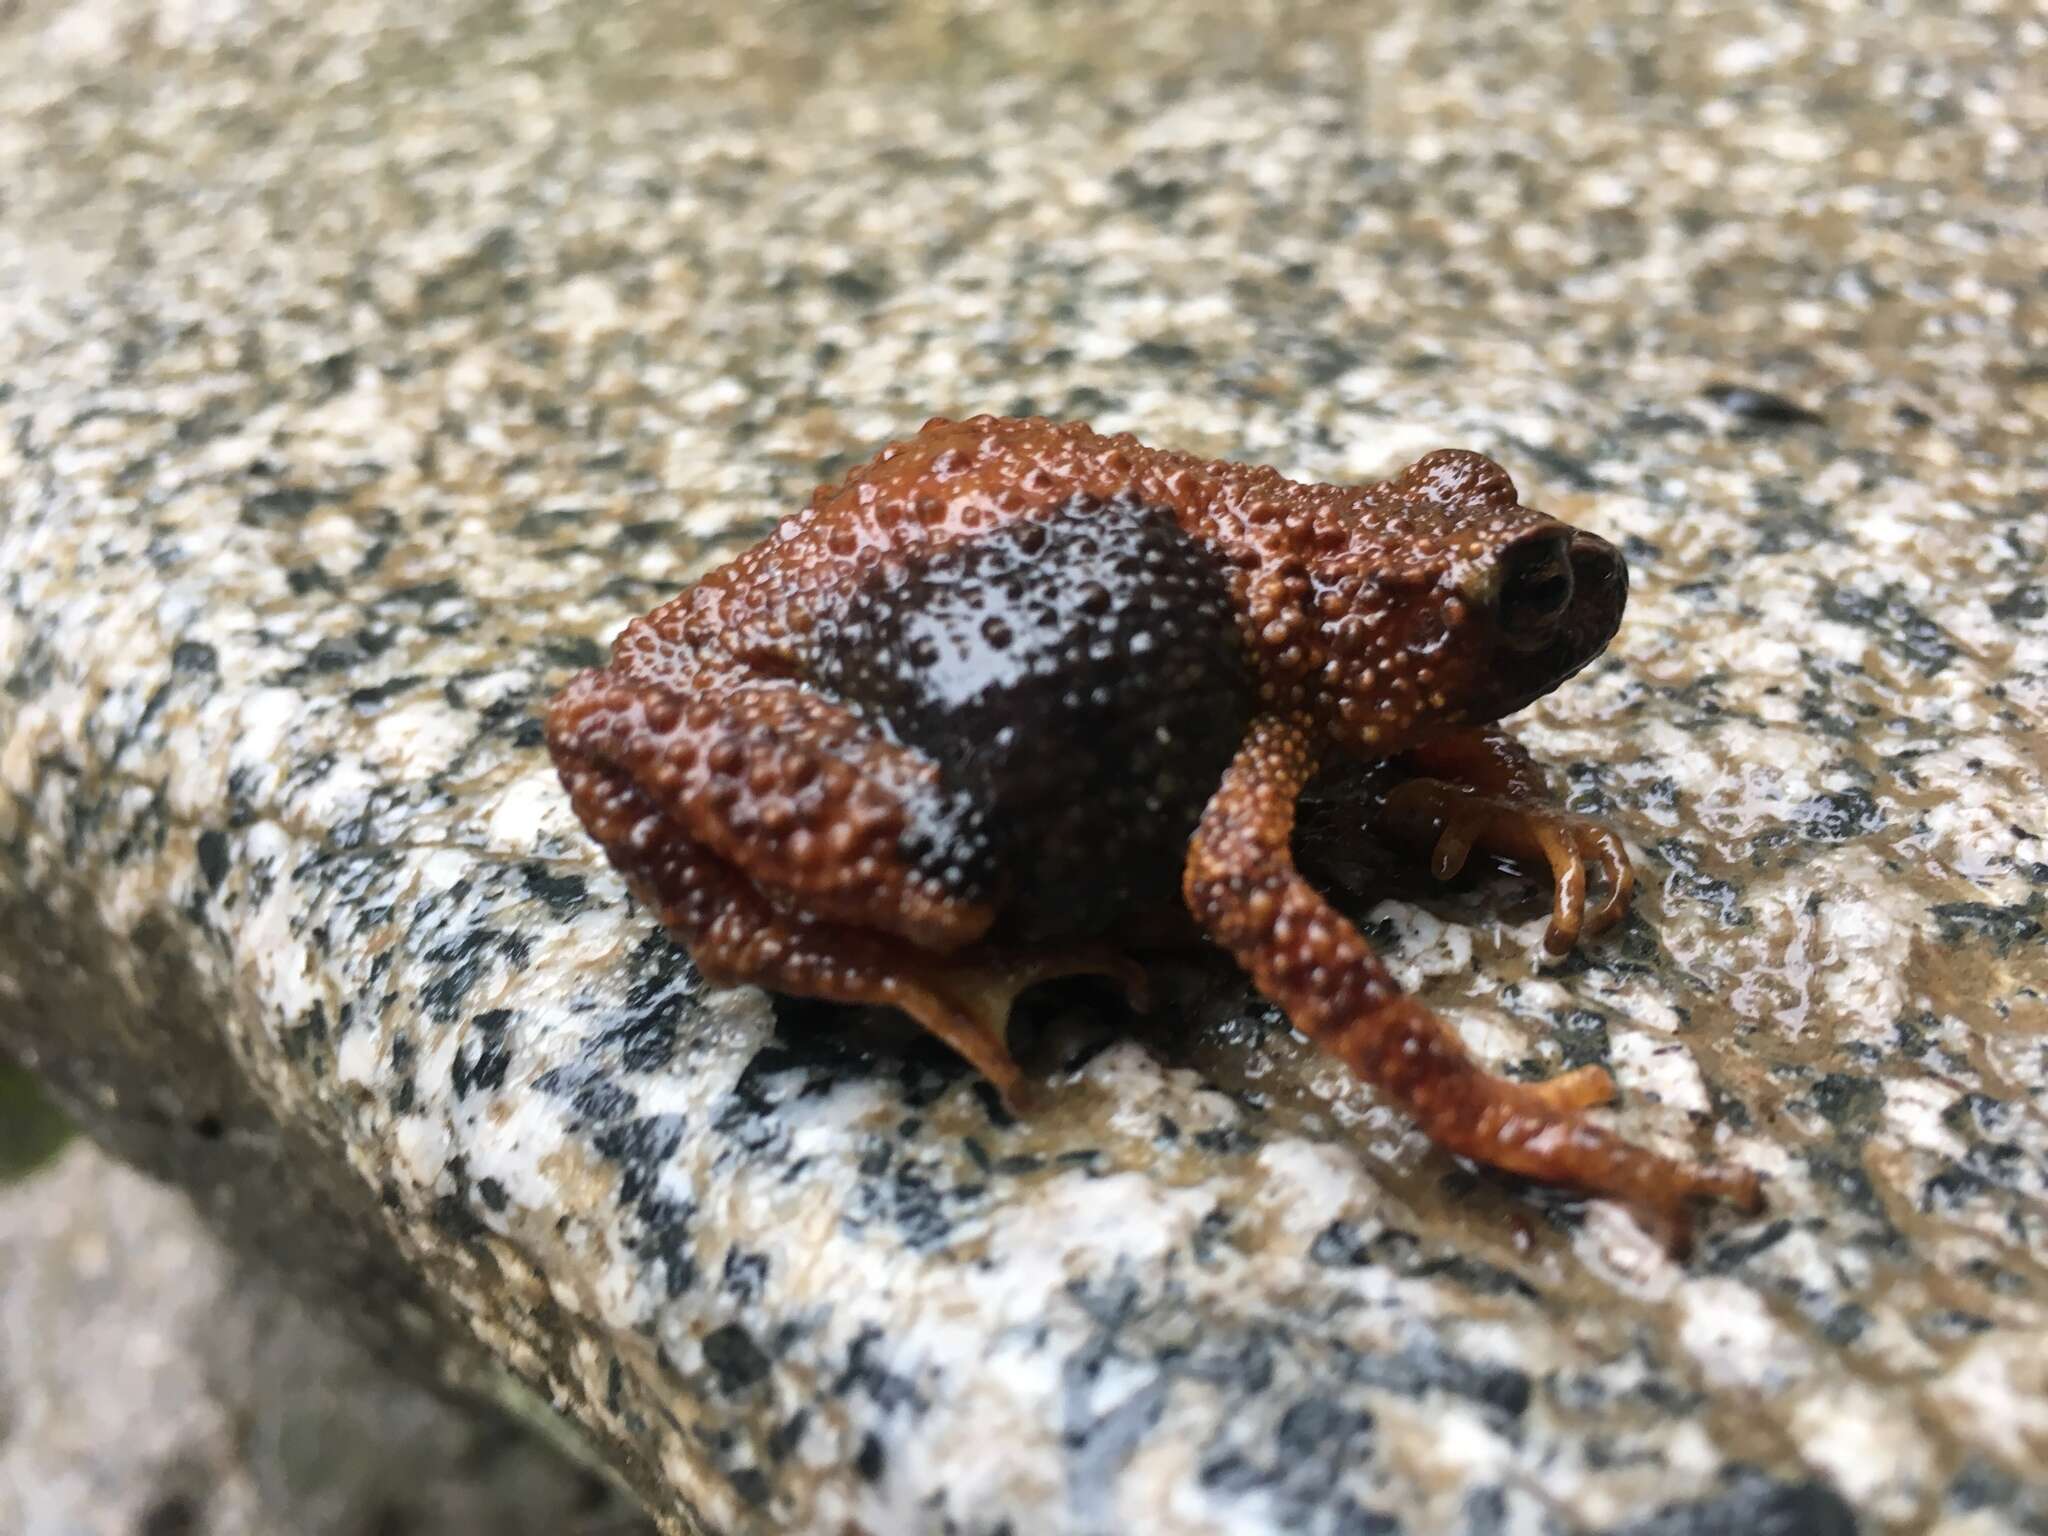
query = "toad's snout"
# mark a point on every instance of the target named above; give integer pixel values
(1555, 597)
(1556, 583)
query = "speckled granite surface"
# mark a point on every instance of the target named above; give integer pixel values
(361, 371)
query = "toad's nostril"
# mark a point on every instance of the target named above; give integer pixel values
(1536, 586)
(1598, 572)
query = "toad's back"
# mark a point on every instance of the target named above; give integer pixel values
(959, 480)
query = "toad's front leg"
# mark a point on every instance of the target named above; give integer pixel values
(1242, 887)
(1479, 788)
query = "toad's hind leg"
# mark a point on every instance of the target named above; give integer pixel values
(736, 934)
(1243, 888)
(806, 800)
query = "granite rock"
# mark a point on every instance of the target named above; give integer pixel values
(363, 367)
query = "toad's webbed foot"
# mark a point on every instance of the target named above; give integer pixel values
(1480, 789)
(1305, 956)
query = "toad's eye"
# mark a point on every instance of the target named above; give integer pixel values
(1535, 590)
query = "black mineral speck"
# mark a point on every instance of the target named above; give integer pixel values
(1979, 1485)
(1485, 1512)
(372, 694)
(1230, 1473)
(866, 1373)
(1354, 1519)
(454, 1217)
(859, 286)
(1760, 407)
(750, 1485)
(1753, 1505)
(575, 651)
(744, 1275)
(1339, 1246)
(1318, 1425)
(1838, 816)
(664, 1240)
(1845, 1324)
(213, 857)
(287, 503)
(564, 894)
(640, 1147)
(1689, 879)
(546, 522)
(1848, 1102)
(600, 1100)
(1843, 1176)
(1475, 1275)
(1899, 627)
(2028, 602)
(1424, 1366)
(1226, 1141)
(175, 1515)
(483, 1062)
(1582, 1036)
(1163, 353)
(734, 1358)
(2003, 926)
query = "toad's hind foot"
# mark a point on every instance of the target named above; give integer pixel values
(966, 1001)
(1539, 1131)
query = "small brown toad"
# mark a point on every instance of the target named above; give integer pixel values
(962, 722)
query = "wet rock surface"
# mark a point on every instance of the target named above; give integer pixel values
(362, 371)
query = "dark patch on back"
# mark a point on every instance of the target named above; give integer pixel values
(1080, 682)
